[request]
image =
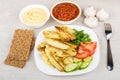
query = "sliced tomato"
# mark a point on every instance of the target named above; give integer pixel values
(86, 49)
(81, 49)
(90, 46)
(82, 55)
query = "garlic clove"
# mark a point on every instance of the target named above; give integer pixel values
(102, 15)
(91, 21)
(89, 11)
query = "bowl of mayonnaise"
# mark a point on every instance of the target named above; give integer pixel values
(34, 16)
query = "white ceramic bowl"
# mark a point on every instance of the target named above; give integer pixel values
(27, 8)
(70, 21)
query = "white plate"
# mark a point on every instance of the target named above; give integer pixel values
(43, 67)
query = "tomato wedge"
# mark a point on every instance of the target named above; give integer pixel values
(86, 49)
(90, 46)
(82, 53)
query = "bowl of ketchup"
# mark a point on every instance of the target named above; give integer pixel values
(65, 12)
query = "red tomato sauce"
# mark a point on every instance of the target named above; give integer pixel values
(65, 11)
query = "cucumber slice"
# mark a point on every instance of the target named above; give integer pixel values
(78, 65)
(88, 59)
(76, 60)
(84, 65)
(70, 67)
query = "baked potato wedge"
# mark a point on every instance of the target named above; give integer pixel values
(52, 59)
(65, 36)
(56, 43)
(71, 51)
(57, 52)
(59, 60)
(41, 47)
(51, 34)
(68, 60)
(71, 45)
(66, 28)
(46, 59)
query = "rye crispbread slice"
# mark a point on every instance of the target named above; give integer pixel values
(15, 63)
(19, 63)
(21, 43)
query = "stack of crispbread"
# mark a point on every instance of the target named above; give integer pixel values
(22, 45)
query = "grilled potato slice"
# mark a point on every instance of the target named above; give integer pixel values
(66, 28)
(57, 52)
(71, 45)
(56, 43)
(41, 47)
(65, 36)
(71, 51)
(46, 59)
(59, 60)
(68, 60)
(51, 34)
(52, 59)
(62, 64)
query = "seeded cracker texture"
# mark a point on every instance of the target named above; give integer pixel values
(22, 44)
(19, 64)
(20, 47)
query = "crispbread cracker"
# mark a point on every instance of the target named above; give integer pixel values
(32, 44)
(21, 43)
(19, 64)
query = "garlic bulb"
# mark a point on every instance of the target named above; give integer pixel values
(91, 21)
(89, 11)
(102, 15)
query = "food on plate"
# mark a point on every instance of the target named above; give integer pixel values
(52, 59)
(88, 59)
(61, 33)
(80, 37)
(45, 58)
(22, 45)
(76, 60)
(71, 51)
(51, 34)
(65, 11)
(86, 49)
(90, 46)
(82, 53)
(67, 55)
(66, 28)
(84, 65)
(91, 21)
(65, 36)
(56, 51)
(68, 60)
(71, 45)
(102, 15)
(70, 67)
(86, 62)
(56, 43)
(34, 15)
(90, 11)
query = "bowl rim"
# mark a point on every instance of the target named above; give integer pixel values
(27, 8)
(66, 22)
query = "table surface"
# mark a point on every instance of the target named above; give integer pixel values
(9, 21)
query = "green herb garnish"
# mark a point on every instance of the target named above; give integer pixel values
(80, 37)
